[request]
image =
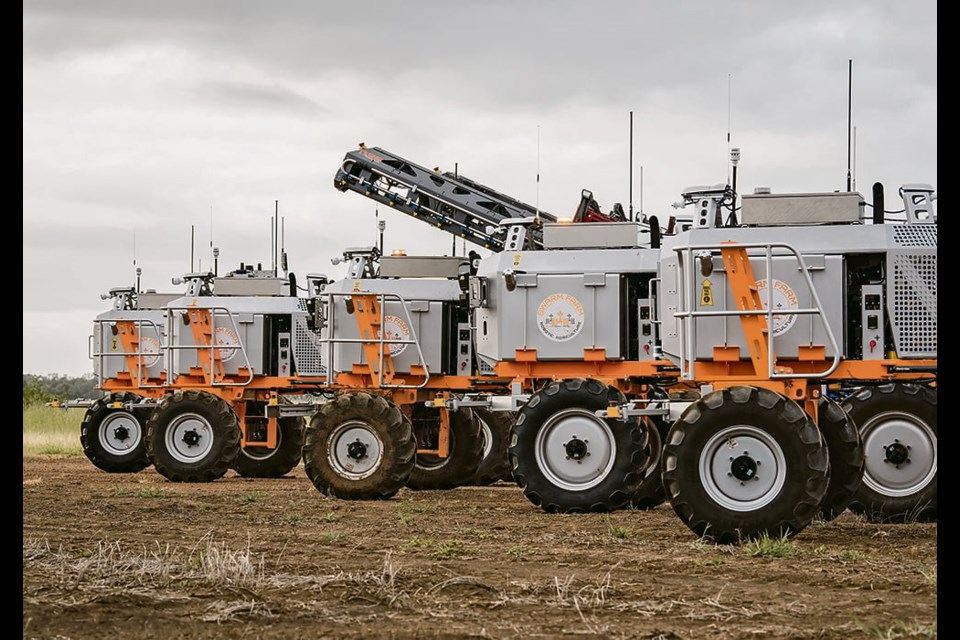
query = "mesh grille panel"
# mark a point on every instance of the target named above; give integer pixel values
(306, 349)
(915, 304)
(915, 235)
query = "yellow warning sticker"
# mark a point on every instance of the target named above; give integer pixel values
(356, 285)
(706, 294)
(113, 346)
(516, 259)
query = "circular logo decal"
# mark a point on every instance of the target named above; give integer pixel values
(149, 351)
(784, 299)
(560, 317)
(227, 337)
(395, 329)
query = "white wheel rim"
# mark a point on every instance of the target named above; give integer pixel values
(354, 450)
(742, 468)
(120, 433)
(575, 450)
(487, 436)
(189, 438)
(901, 454)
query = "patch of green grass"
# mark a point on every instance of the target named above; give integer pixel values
(439, 549)
(417, 542)
(330, 517)
(820, 550)
(473, 533)
(334, 537)
(446, 549)
(767, 546)
(294, 518)
(252, 497)
(851, 555)
(899, 629)
(621, 533)
(122, 491)
(405, 518)
(150, 492)
(709, 562)
(930, 575)
(518, 550)
(52, 431)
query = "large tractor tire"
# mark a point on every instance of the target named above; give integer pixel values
(898, 425)
(113, 438)
(568, 460)
(262, 462)
(651, 494)
(495, 435)
(359, 447)
(193, 436)
(845, 450)
(742, 462)
(464, 456)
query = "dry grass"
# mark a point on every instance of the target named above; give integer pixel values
(51, 431)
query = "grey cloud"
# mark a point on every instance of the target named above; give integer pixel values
(257, 96)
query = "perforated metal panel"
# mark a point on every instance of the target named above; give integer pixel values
(913, 290)
(915, 235)
(306, 348)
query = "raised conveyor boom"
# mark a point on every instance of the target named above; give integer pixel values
(447, 201)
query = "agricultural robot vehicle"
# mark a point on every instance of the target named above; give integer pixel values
(754, 366)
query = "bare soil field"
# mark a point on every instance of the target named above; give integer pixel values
(135, 556)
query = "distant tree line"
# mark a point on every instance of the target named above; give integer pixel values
(41, 389)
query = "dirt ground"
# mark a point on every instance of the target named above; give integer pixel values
(136, 556)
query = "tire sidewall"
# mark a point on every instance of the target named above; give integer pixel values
(385, 421)
(136, 459)
(621, 480)
(224, 428)
(282, 459)
(912, 400)
(805, 457)
(463, 458)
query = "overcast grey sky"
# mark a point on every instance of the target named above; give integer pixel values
(139, 117)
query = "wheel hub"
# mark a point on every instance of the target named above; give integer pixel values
(357, 450)
(897, 453)
(191, 438)
(744, 467)
(894, 468)
(120, 433)
(576, 449)
(354, 450)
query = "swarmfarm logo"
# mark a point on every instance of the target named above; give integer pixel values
(560, 317)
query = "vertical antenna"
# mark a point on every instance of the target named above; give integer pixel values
(283, 249)
(276, 221)
(211, 234)
(537, 216)
(191, 248)
(136, 269)
(729, 94)
(630, 216)
(849, 119)
(641, 190)
(854, 158)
